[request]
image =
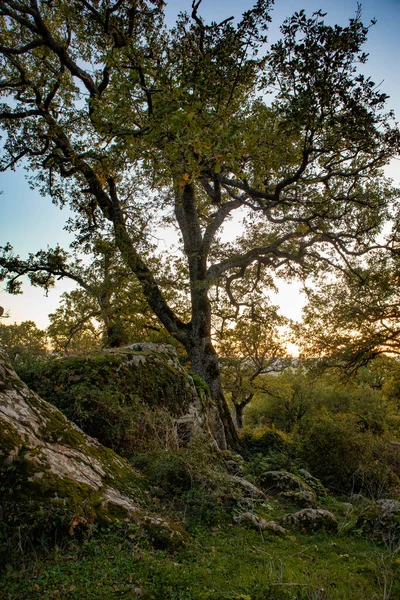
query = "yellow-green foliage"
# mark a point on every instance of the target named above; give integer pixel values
(347, 458)
(295, 396)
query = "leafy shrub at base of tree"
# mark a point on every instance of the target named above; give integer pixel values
(267, 449)
(264, 440)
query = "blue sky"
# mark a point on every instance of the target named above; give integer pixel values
(31, 222)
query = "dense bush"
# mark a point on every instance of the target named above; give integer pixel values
(267, 449)
(333, 448)
(263, 440)
(299, 395)
(346, 458)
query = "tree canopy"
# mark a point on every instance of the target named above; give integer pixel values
(350, 320)
(24, 342)
(108, 309)
(125, 119)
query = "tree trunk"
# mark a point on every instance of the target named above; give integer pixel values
(197, 341)
(239, 415)
(205, 363)
(114, 334)
(195, 336)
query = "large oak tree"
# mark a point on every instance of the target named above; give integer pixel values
(118, 115)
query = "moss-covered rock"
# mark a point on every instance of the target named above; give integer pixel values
(255, 522)
(283, 481)
(126, 397)
(46, 457)
(313, 482)
(302, 498)
(381, 520)
(55, 479)
(311, 520)
(165, 534)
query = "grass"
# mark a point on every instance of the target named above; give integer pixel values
(220, 563)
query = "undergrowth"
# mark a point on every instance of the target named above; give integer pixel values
(221, 561)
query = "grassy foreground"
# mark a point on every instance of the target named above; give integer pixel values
(220, 562)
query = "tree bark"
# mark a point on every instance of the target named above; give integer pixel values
(196, 335)
(114, 334)
(239, 415)
(198, 342)
(205, 363)
(239, 407)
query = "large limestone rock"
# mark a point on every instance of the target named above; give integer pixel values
(255, 522)
(48, 464)
(127, 396)
(289, 485)
(55, 460)
(311, 520)
(282, 481)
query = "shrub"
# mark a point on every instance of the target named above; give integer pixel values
(267, 449)
(191, 480)
(347, 458)
(264, 441)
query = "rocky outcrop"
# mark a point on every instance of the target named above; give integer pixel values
(255, 522)
(127, 396)
(291, 485)
(282, 481)
(48, 464)
(303, 498)
(55, 460)
(381, 520)
(246, 488)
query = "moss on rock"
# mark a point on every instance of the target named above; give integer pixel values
(381, 520)
(311, 520)
(165, 535)
(56, 480)
(118, 396)
(45, 457)
(283, 481)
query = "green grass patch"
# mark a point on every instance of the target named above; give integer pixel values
(225, 562)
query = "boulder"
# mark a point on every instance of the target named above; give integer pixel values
(55, 460)
(303, 498)
(50, 466)
(246, 488)
(313, 482)
(381, 520)
(311, 519)
(122, 396)
(164, 535)
(255, 522)
(283, 481)
(234, 464)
